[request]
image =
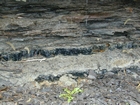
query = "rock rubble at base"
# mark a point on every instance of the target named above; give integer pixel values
(114, 88)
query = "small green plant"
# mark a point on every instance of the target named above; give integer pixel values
(127, 103)
(69, 94)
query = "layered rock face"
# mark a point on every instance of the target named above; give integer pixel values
(72, 28)
(67, 35)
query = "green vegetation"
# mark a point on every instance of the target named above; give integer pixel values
(69, 94)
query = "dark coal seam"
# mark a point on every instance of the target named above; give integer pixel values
(79, 74)
(53, 78)
(17, 56)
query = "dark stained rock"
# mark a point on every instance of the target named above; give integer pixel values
(42, 78)
(18, 55)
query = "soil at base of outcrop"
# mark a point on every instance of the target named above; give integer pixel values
(117, 87)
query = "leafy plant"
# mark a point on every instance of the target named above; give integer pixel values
(69, 94)
(127, 103)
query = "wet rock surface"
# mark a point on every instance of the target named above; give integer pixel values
(48, 46)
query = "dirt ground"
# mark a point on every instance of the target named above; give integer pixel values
(118, 87)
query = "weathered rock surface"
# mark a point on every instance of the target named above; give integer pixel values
(76, 36)
(46, 44)
(30, 29)
(30, 69)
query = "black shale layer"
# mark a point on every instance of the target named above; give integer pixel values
(18, 55)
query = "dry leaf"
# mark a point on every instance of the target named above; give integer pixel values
(28, 100)
(10, 44)
(3, 88)
(28, 50)
(126, 21)
(138, 87)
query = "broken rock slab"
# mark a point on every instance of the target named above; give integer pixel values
(66, 81)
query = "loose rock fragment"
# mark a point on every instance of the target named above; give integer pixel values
(67, 81)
